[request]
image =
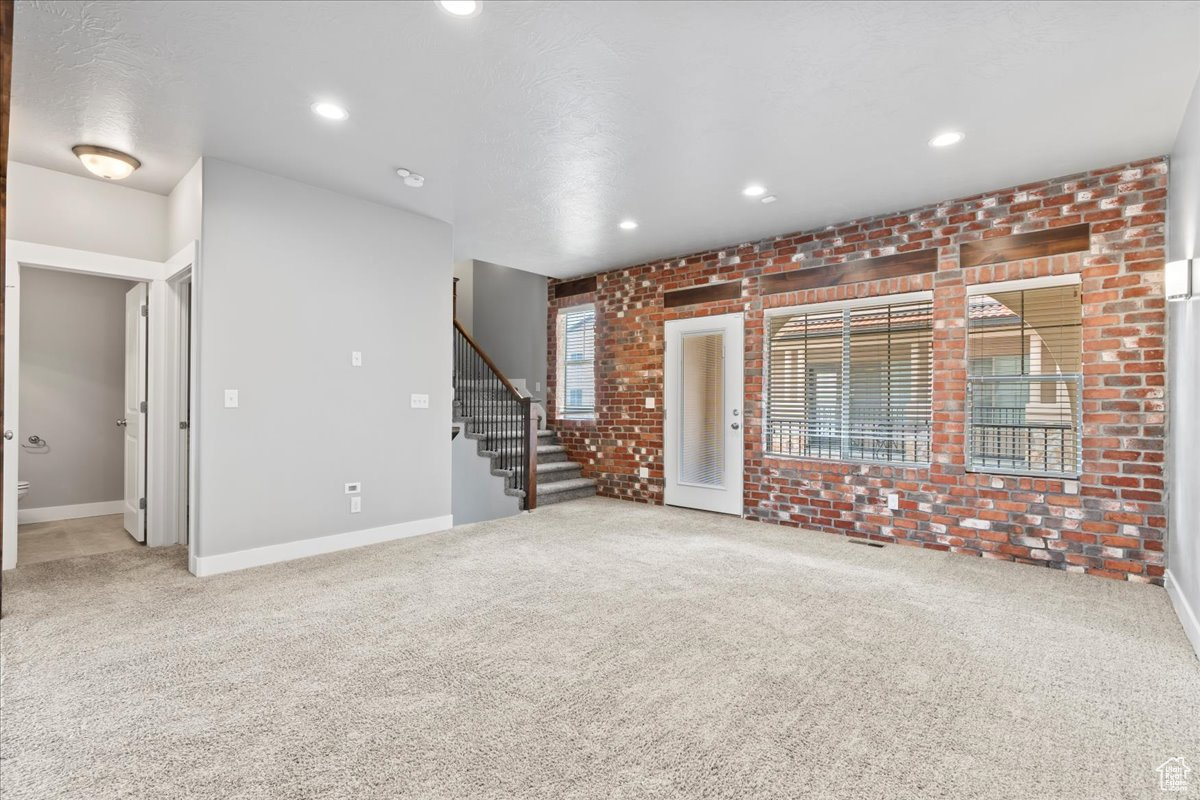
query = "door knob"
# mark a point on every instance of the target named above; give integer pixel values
(735, 426)
(122, 423)
(8, 435)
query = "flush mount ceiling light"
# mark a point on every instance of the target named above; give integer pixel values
(461, 8)
(411, 178)
(753, 190)
(628, 225)
(768, 199)
(330, 111)
(112, 165)
(946, 139)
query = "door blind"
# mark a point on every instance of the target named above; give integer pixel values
(577, 377)
(1024, 352)
(854, 384)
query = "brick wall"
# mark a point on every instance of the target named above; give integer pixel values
(1110, 522)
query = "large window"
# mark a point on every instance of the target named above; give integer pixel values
(1024, 381)
(853, 383)
(576, 368)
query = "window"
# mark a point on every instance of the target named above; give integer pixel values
(1023, 382)
(853, 383)
(576, 367)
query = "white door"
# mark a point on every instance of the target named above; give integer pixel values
(703, 414)
(134, 421)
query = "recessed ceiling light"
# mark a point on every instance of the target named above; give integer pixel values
(768, 199)
(105, 162)
(330, 111)
(753, 190)
(946, 139)
(461, 8)
(628, 225)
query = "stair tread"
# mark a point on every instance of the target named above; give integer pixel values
(558, 466)
(566, 486)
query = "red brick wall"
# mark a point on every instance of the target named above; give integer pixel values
(1110, 522)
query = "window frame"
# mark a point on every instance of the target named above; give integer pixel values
(560, 363)
(875, 301)
(1002, 287)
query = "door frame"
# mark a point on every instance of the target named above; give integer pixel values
(698, 324)
(163, 377)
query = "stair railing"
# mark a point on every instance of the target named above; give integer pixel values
(499, 412)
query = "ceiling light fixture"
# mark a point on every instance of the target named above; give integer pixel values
(768, 199)
(628, 225)
(112, 165)
(411, 178)
(753, 190)
(330, 111)
(946, 139)
(461, 8)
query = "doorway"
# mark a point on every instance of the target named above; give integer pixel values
(152, 421)
(703, 414)
(81, 460)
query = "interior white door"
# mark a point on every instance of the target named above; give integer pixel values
(703, 414)
(12, 394)
(134, 421)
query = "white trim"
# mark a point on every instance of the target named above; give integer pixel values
(26, 516)
(1044, 282)
(1187, 614)
(854, 302)
(203, 566)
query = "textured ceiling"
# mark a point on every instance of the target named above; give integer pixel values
(539, 126)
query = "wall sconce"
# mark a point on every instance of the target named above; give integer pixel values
(1180, 279)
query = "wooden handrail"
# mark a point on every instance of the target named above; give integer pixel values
(491, 364)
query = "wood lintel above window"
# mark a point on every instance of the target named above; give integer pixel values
(899, 265)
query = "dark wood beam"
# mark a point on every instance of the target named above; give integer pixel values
(1020, 246)
(708, 293)
(577, 286)
(6, 43)
(867, 269)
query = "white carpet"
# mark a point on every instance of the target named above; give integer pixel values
(595, 649)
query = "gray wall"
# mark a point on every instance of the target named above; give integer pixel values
(72, 386)
(55, 208)
(465, 272)
(478, 495)
(291, 280)
(1183, 378)
(509, 317)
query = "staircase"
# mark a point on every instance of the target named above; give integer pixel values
(494, 414)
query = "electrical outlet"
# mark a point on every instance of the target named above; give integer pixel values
(420, 401)
(537, 386)
(893, 501)
(356, 359)
(353, 488)
(644, 472)
(355, 504)
(231, 398)
(649, 402)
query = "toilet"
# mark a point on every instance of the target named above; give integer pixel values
(22, 489)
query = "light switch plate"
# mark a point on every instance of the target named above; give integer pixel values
(420, 401)
(644, 472)
(355, 504)
(356, 359)
(893, 501)
(353, 488)
(231, 398)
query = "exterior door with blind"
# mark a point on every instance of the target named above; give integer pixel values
(703, 416)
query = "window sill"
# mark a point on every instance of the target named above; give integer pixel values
(849, 462)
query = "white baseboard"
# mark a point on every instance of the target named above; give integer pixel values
(1187, 614)
(203, 566)
(56, 513)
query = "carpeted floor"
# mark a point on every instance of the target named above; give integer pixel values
(594, 649)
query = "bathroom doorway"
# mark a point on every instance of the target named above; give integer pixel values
(153, 499)
(81, 464)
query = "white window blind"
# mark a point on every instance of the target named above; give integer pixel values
(1024, 381)
(853, 384)
(577, 362)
